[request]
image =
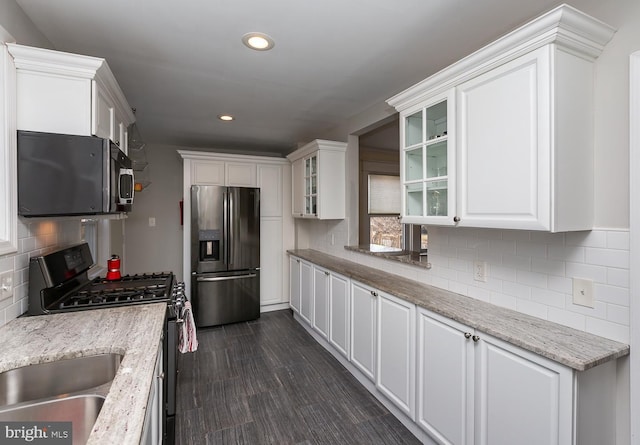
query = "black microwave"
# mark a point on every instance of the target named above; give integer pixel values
(61, 175)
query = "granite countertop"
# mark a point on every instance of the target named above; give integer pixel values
(134, 331)
(401, 256)
(576, 349)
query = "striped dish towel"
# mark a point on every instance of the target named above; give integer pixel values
(188, 341)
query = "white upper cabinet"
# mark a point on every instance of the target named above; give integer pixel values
(318, 180)
(70, 94)
(504, 137)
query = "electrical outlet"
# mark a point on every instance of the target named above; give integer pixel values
(583, 292)
(480, 271)
(6, 284)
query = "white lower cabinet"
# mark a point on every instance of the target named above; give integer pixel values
(294, 283)
(476, 389)
(363, 328)
(339, 313)
(445, 379)
(306, 291)
(396, 336)
(152, 428)
(321, 290)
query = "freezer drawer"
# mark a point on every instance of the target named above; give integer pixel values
(221, 298)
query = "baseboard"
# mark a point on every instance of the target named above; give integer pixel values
(274, 307)
(368, 384)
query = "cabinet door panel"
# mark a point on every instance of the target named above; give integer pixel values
(396, 351)
(339, 313)
(363, 329)
(445, 379)
(208, 173)
(270, 183)
(321, 301)
(297, 184)
(271, 261)
(103, 114)
(294, 286)
(504, 142)
(520, 397)
(240, 175)
(306, 291)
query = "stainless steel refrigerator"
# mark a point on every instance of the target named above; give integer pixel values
(225, 254)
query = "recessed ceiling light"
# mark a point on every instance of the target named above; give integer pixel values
(225, 117)
(258, 41)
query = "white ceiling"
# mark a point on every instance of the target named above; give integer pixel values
(181, 63)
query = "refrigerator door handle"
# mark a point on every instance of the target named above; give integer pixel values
(225, 227)
(232, 221)
(234, 277)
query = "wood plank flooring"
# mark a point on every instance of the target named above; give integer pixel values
(269, 382)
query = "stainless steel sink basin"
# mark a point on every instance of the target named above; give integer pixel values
(82, 411)
(53, 379)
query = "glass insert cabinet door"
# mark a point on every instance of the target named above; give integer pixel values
(427, 170)
(311, 185)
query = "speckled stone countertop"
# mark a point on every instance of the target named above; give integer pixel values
(576, 349)
(401, 256)
(134, 331)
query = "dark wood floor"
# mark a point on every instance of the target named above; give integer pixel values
(269, 382)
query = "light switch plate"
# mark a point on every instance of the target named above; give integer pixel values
(583, 292)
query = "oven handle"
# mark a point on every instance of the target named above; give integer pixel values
(233, 277)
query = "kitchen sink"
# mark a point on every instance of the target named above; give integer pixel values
(82, 411)
(62, 377)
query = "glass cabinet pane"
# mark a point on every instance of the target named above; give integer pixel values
(413, 164)
(314, 163)
(314, 185)
(414, 199)
(307, 167)
(437, 159)
(437, 198)
(413, 129)
(436, 120)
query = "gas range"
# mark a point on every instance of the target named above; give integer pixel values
(59, 282)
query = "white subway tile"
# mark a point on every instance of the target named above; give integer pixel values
(567, 318)
(561, 284)
(618, 277)
(607, 257)
(604, 328)
(618, 240)
(575, 254)
(458, 288)
(13, 311)
(532, 308)
(504, 300)
(592, 238)
(516, 235)
(592, 272)
(548, 297)
(612, 294)
(598, 311)
(531, 249)
(549, 267)
(479, 293)
(440, 282)
(533, 279)
(506, 247)
(618, 314)
(460, 265)
(502, 272)
(458, 241)
(485, 254)
(467, 254)
(517, 262)
(517, 290)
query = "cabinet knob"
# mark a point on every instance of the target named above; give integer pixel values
(375, 294)
(467, 335)
(298, 261)
(475, 338)
(326, 273)
(456, 219)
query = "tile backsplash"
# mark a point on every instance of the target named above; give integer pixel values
(34, 238)
(527, 271)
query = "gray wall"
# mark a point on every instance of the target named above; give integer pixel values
(159, 248)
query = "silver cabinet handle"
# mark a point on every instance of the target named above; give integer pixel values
(467, 335)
